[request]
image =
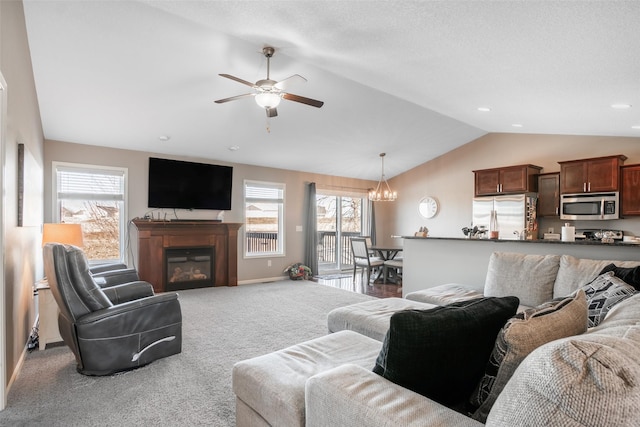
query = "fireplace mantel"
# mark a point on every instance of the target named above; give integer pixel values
(155, 237)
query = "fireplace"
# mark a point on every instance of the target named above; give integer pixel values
(188, 268)
(155, 238)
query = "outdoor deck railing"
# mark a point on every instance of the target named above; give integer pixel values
(265, 242)
(327, 247)
(261, 242)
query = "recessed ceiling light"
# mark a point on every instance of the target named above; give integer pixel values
(164, 137)
(620, 106)
(516, 125)
(484, 109)
(234, 148)
(635, 127)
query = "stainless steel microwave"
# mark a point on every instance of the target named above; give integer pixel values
(590, 206)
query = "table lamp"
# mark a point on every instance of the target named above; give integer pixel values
(68, 234)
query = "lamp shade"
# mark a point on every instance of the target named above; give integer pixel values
(68, 234)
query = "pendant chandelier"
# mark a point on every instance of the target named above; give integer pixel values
(383, 192)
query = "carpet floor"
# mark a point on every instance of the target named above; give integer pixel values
(220, 326)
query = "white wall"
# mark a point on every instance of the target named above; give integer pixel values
(21, 247)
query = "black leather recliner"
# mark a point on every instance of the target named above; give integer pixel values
(112, 329)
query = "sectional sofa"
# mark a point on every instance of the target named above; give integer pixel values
(548, 365)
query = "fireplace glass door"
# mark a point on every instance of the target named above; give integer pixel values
(188, 268)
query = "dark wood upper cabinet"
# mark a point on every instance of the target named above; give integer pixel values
(549, 194)
(630, 194)
(507, 180)
(591, 175)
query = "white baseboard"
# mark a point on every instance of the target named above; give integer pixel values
(263, 280)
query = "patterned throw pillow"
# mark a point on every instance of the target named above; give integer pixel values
(522, 334)
(630, 275)
(604, 292)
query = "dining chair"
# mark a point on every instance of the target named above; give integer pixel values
(369, 244)
(395, 264)
(362, 259)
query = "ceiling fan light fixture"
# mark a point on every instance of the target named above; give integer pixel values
(382, 192)
(268, 99)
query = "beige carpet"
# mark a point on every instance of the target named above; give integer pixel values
(220, 327)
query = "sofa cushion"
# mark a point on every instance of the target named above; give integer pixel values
(441, 353)
(529, 277)
(625, 313)
(630, 275)
(604, 292)
(522, 334)
(370, 318)
(575, 272)
(272, 385)
(587, 380)
(444, 294)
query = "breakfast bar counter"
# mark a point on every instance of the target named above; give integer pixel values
(433, 261)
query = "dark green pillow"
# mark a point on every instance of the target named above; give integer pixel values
(442, 353)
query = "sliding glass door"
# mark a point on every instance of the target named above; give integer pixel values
(340, 217)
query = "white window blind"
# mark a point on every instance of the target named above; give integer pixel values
(90, 184)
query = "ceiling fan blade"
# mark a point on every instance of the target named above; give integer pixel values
(238, 79)
(233, 98)
(283, 84)
(303, 100)
(271, 112)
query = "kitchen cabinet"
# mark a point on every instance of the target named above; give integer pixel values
(506, 180)
(549, 194)
(591, 175)
(630, 194)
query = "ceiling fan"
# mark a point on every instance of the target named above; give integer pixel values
(268, 93)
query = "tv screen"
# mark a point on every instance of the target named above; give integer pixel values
(189, 185)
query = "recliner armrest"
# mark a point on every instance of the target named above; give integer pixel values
(101, 268)
(116, 277)
(128, 292)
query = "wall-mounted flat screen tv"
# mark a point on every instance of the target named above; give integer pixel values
(189, 185)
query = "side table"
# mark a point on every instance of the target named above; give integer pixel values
(47, 315)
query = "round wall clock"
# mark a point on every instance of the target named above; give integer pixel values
(428, 207)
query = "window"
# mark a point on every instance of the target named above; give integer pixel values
(93, 196)
(264, 218)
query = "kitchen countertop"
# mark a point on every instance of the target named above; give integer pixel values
(577, 242)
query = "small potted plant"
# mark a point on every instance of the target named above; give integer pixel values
(298, 271)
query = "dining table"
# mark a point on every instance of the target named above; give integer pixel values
(386, 253)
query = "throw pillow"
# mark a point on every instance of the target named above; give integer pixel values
(522, 334)
(530, 277)
(604, 292)
(629, 275)
(441, 353)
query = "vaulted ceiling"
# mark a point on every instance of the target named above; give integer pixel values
(402, 77)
